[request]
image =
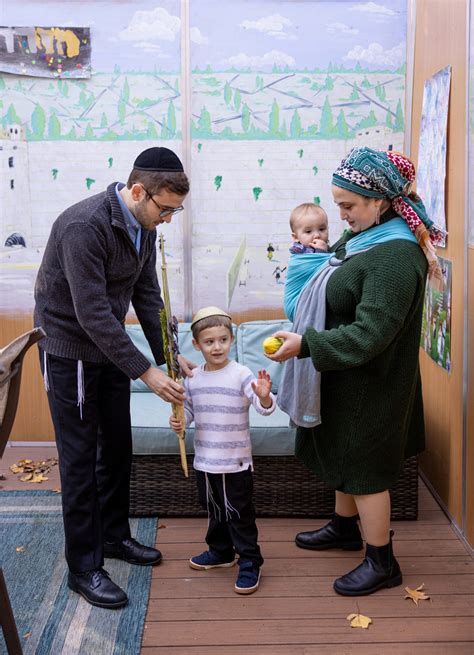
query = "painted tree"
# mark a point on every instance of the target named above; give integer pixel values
(171, 121)
(355, 93)
(329, 83)
(11, 117)
(388, 120)
(89, 133)
(237, 99)
(365, 83)
(103, 120)
(399, 124)
(245, 117)
(342, 128)
(122, 111)
(327, 126)
(295, 125)
(380, 92)
(151, 132)
(125, 92)
(54, 127)
(274, 120)
(38, 122)
(204, 122)
(227, 93)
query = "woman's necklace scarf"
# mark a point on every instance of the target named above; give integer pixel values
(299, 390)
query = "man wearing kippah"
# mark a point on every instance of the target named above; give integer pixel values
(100, 256)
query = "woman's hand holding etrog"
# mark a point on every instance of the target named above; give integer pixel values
(290, 348)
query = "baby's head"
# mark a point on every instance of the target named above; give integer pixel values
(309, 222)
(212, 335)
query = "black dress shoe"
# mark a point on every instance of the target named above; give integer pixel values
(97, 588)
(132, 552)
(378, 570)
(341, 532)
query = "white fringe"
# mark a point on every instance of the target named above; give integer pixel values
(228, 507)
(80, 386)
(210, 499)
(45, 371)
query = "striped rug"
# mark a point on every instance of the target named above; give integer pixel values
(50, 618)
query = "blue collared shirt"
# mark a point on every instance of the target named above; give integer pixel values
(133, 226)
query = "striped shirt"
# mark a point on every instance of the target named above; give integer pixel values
(218, 402)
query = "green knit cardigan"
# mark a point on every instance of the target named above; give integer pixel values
(371, 402)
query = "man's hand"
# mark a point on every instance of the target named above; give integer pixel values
(186, 366)
(262, 387)
(163, 386)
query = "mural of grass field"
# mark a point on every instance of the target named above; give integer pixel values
(234, 105)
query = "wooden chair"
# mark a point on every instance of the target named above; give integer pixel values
(11, 362)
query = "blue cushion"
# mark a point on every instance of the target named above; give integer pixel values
(186, 348)
(250, 353)
(153, 436)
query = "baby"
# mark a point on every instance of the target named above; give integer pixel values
(309, 229)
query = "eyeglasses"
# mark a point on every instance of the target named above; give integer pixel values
(164, 211)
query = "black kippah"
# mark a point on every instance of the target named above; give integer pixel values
(158, 159)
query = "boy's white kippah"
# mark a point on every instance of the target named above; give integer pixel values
(205, 312)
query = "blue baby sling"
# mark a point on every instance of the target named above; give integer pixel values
(303, 267)
(299, 389)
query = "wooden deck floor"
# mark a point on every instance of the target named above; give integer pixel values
(295, 611)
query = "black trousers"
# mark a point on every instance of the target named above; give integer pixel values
(95, 456)
(232, 527)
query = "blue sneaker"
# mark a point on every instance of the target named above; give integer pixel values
(248, 579)
(209, 560)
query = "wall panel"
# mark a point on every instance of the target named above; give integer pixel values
(440, 40)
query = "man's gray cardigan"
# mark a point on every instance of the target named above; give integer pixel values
(90, 273)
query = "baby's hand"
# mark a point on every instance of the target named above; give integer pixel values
(175, 424)
(263, 385)
(319, 244)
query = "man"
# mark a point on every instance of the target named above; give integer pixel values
(100, 256)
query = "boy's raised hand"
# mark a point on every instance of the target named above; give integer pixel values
(262, 386)
(175, 424)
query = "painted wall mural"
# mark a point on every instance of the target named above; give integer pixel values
(280, 92)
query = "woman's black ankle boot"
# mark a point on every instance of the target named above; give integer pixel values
(378, 570)
(341, 532)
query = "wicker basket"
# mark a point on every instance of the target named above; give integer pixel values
(283, 487)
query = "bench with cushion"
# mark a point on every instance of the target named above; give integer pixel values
(283, 486)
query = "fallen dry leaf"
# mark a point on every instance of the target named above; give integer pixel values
(359, 621)
(20, 549)
(33, 471)
(56, 491)
(162, 525)
(38, 478)
(27, 635)
(416, 594)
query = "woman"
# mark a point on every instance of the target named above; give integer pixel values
(366, 350)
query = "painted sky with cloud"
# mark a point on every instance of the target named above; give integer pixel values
(142, 34)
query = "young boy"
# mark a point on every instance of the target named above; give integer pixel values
(218, 397)
(309, 229)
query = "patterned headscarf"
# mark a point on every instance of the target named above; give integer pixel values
(378, 174)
